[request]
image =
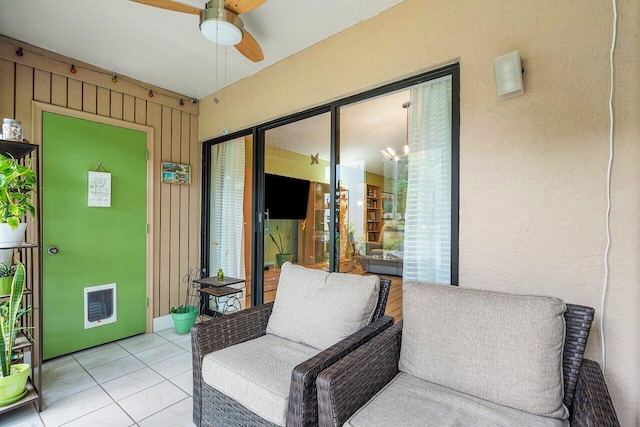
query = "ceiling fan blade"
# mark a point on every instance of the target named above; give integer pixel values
(242, 6)
(249, 47)
(170, 5)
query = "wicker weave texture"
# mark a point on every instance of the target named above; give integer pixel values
(219, 333)
(303, 400)
(349, 384)
(221, 411)
(383, 297)
(212, 408)
(578, 319)
(592, 406)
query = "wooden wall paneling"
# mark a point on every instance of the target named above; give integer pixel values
(116, 105)
(24, 96)
(185, 266)
(165, 216)
(103, 103)
(176, 208)
(195, 160)
(74, 95)
(89, 98)
(42, 86)
(129, 109)
(59, 90)
(154, 119)
(140, 111)
(7, 77)
(175, 268)
(58, 64)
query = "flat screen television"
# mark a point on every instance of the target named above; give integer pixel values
(285, 197)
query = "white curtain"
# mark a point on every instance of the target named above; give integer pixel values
(227, 195)
(427, 244)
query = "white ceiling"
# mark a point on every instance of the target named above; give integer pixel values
(165, 48)
(365, 128)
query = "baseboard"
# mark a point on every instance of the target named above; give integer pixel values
(162, 322)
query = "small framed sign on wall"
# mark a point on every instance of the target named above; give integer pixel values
(175, 173)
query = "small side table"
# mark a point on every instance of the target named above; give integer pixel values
(211, 288)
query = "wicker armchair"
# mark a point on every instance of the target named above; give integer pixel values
(213, 408)
(347, 385)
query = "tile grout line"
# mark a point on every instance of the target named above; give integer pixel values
(102, 388)
(146, 365)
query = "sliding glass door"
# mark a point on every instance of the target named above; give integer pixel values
(296, 197)
(373, 168)
(230, 215)
(364, 185)
(396, 166)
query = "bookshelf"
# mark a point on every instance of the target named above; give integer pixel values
(373, 212)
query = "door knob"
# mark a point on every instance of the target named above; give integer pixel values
(53, 250)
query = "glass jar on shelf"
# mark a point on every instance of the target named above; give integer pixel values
(11, 130)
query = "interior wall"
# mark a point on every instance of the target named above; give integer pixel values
(44, 76)
(283, 162)
(532, 168)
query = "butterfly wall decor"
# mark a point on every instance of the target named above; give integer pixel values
(314, 159)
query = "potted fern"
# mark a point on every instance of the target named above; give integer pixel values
(14, 377)
(17, 183)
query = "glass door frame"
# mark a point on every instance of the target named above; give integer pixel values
(258, 162)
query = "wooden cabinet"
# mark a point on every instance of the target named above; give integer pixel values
(315, 233)
(373, 212)
(271, 279)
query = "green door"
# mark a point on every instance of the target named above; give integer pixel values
(87, 247)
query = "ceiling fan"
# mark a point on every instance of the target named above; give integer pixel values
(220, 23)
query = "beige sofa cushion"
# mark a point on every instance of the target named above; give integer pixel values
(499, 347)
(319, 309)
(257, 373)
(410, 401)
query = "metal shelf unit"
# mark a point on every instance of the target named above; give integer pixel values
(31, 256)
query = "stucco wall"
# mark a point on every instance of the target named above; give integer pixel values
(532, 168)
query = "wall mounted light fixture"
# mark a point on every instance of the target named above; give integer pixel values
(508, 70)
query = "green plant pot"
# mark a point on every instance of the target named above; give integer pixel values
(184, 321)
(282, 258)
(13, 385)
(5, 285)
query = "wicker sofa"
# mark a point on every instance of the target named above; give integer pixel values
(355, 390)
(213, 407)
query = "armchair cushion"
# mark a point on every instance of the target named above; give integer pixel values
(257, 373)
(507, 348)
(319, 309)
(410, 401)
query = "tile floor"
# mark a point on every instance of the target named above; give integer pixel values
(139, 381)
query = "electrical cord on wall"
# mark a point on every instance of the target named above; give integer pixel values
(608, 215)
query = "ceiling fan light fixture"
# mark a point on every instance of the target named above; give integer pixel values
(386, 155)
(391, 151)
(221, 26)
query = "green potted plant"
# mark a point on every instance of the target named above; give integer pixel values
(17, 183)
(184, 316)
(7, 271)
(14, 377)
(284, 252)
